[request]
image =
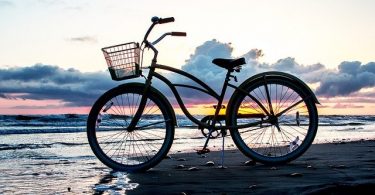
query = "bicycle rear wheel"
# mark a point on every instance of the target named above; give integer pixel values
(130, 151)
(283, 138)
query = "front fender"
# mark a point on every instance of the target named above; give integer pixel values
(284, 75)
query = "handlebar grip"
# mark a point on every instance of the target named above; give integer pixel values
(183, 34)
(166, 20)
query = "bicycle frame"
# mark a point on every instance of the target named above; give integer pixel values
(206, 89)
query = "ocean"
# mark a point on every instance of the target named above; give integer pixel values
(19, 132)
(331, 127)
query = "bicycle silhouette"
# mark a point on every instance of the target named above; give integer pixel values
(272, 116)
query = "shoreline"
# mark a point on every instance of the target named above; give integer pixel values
(345, 167)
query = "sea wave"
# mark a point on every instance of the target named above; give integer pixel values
(70, 123)
(36, 146)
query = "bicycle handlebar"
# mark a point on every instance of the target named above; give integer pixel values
(156, 20)
(170, 33)
(165, 20)
(182, 34)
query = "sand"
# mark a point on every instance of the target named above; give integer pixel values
(336, 168)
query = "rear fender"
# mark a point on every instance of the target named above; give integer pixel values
(276, 74)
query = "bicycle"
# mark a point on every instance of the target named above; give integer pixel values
(272, 116)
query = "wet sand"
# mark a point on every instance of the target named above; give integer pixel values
(336, 168)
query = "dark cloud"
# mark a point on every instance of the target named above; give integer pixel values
(37, 107)
(290, 65)
(309, 73)
(83, 39)
(6, 96)
(40, 82)
(3, 96)
(351, 77)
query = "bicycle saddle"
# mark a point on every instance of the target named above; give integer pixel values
(229, 63)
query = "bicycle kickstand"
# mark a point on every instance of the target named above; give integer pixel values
(223, 133)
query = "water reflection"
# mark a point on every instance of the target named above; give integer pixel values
(114, 183)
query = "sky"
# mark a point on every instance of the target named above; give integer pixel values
(50, 58)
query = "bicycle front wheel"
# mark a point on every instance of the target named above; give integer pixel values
(283, 136)
(130, 151)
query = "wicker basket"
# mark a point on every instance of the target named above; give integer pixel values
(123, 60)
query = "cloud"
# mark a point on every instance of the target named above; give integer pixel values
(74, 8)
(6, 4)
(75, 88)
(48, 106)
(40, 82)
(309, 73)
(345, 106)
(63, 4)
(200, 65)
(351, 77)
(83, 39)
(3, 96)
(8, 96)
(358, 99)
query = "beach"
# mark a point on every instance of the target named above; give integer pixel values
(340, 168)
(51, 155)
(69, 167)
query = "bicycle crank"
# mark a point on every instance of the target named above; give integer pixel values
(205, 132)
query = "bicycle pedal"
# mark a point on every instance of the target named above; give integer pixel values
(203, 151)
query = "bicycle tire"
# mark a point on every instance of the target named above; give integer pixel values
(138, 150)
(296, 138)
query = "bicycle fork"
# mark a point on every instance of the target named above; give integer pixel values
(142, 104)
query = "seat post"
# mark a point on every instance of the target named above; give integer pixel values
(219, 104)
(221, 97)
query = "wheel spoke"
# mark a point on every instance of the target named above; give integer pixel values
(258, 102)
(148, 125)
(268, 96)
(290, 107)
